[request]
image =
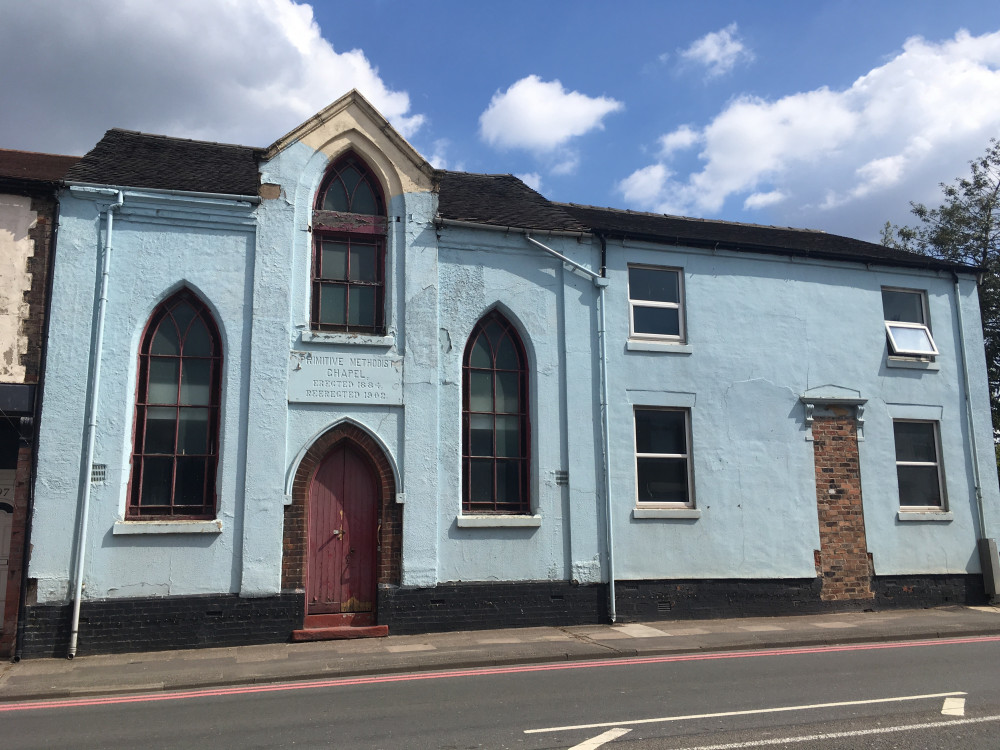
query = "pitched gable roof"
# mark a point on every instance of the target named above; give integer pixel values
(131, 159)
(680, 230)
(34, 167)
(501, 200)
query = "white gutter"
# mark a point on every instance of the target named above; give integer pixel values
(91, 420)
(443, 222)
(601, 283)
(88, 187)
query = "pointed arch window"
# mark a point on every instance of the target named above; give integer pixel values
(495, 425)
(349, 231)
(176, 438)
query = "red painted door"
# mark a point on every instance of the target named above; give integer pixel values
(342, 511)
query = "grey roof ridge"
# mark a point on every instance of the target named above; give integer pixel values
(177, 139)
(38, 153)
(700, 219)
(905, 258)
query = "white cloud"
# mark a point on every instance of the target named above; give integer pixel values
(566, 163)
(680, 139)
(718, 52)
(763, 200)
(531, 179)
(645, 186)
(541, 116)
(439, 156)
(842, 157)
(241, 71)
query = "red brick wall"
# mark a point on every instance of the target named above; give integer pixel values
(390, 513)
(843, 560)
(38, 266)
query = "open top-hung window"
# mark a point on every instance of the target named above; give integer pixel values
(349, 228)
(906, 323)
(655, 298)
(176, 438)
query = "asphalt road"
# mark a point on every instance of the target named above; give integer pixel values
(865, 696)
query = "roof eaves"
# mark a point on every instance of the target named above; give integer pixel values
(920, 262)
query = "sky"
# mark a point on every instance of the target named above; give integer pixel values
(829, 115)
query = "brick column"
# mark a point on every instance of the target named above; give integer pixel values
(390, 514)
(843, 554)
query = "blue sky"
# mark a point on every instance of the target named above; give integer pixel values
(830, 115)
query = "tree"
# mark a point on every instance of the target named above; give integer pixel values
(966, 228)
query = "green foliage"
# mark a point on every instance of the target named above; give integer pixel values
(966, 228)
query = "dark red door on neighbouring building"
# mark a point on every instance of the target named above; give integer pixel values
(343, 500)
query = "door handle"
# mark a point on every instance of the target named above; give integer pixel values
(338, 533)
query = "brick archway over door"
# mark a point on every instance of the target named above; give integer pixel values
(295, 546)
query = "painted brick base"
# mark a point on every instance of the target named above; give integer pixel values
(157, 624)
(638, 601)
(479, 606)
(913, 592)
(124, 625)
(644, 601)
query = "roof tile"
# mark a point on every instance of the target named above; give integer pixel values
(130, 159)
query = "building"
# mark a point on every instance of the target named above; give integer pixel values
(337, 391)
(28, 208)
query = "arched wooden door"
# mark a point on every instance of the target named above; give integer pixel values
(343, 507)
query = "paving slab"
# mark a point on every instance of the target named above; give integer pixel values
(34, 679)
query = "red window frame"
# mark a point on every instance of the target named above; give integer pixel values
(355, 286)
(494, 328)
(148, 498)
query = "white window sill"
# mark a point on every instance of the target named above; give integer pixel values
(167, 527)
(928, 515)
(640, 345)
(909, 363)
(486, 522)
(679, 513)
(358, 339)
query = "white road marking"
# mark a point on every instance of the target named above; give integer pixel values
(842, 735)
(834, 625)
(953, 707)
(747, 712)
(595, 742)
(412, 647)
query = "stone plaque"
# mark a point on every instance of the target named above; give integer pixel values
(345, 377)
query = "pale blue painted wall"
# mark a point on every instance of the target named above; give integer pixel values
(761, 331)
(212, 253)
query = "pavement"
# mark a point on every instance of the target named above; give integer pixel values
(34, 679)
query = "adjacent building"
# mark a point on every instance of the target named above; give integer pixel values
(322, 389)
(28, 210)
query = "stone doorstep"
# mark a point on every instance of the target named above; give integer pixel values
(340, 633)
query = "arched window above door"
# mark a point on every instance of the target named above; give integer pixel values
(349, 241)
(495, 426)
(176, 437)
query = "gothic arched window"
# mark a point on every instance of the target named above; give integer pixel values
(176, 439)
(349, 231)
(495, 425)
